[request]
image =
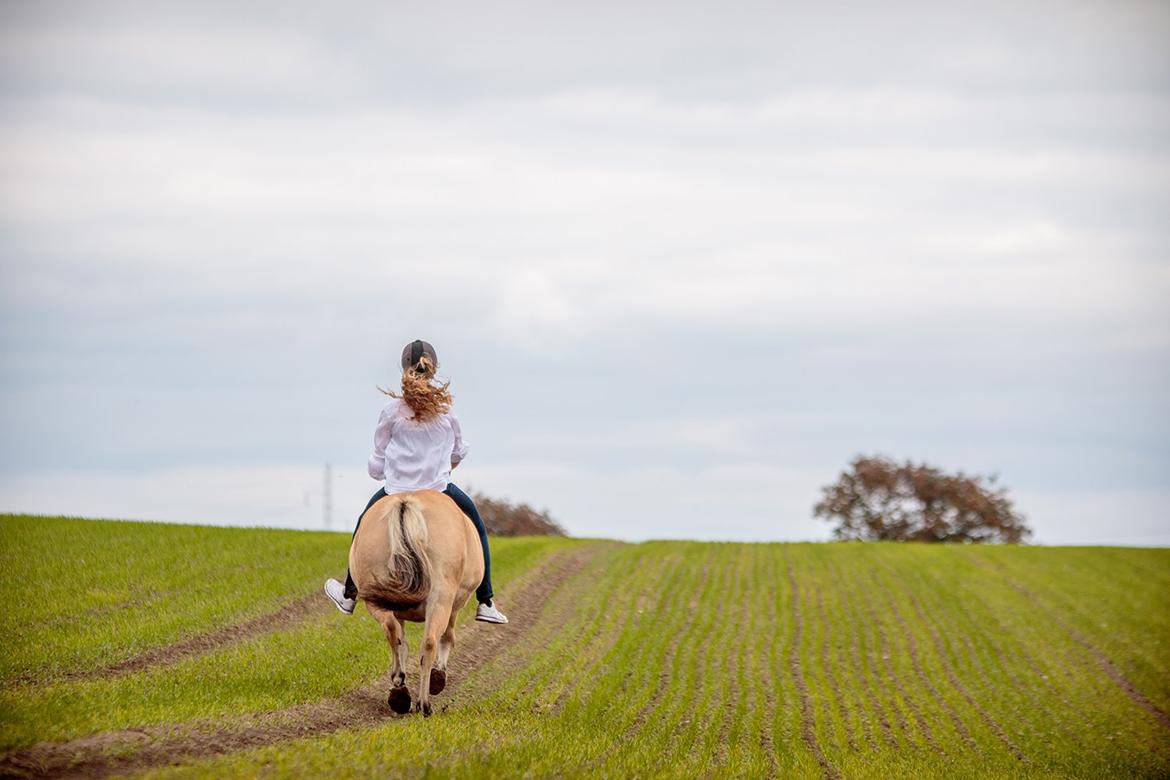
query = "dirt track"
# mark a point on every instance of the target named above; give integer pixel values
(118, 752)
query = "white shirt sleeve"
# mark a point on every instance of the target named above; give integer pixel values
(460, 451)
(377, 463)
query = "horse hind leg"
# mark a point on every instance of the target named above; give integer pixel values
(401, 655)
(446, 645)
(438, 617)
(399, 699)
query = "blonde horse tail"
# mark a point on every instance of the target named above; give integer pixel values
(409, 569)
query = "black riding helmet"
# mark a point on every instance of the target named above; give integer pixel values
(415, 351)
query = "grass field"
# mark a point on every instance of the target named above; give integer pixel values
(163, 650)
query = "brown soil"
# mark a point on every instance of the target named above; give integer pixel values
(119, 752)
(286, 617)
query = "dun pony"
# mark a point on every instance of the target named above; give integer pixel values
(417, 557)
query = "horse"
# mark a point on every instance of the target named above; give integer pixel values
(416, 557)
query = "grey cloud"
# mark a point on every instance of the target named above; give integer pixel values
(687, 237)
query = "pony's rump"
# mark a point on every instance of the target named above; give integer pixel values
(407, 581)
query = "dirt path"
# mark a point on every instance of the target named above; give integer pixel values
(281, 619)
(118, 752)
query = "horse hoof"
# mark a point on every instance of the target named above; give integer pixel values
(399, 700)
(427, 709)
(438, 681)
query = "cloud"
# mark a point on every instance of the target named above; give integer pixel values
(687, 238)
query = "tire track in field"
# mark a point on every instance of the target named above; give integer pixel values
(830, 676)
(1102, 660)
(287, 616)
(119, 752)
(807, 724)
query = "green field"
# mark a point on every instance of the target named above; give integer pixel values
(165, 650)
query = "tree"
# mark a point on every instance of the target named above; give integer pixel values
(878, 499)
(503, 518)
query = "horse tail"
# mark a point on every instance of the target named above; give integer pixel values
(409, 569)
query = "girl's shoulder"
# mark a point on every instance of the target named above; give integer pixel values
(396, 408)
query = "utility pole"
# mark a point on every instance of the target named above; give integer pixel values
(327, 497)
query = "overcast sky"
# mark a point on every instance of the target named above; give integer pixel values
(681, 262)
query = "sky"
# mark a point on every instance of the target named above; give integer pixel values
(681, 261)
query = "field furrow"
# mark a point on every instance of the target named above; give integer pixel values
(861, 660)
(797, 665)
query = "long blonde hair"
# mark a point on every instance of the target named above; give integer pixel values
(426, 397)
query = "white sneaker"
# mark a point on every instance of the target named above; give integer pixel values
(336, 593)
(489, 614)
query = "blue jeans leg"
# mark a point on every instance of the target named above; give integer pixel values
(484, 592)
(350, 587)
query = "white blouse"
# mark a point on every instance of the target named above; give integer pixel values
(410, 455)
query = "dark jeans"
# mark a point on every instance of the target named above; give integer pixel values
(484, 592)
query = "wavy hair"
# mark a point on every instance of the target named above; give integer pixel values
(426, 397)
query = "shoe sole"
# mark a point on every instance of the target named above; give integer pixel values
(489, 620)
(337, 604)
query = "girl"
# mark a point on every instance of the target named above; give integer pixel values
(416, 445)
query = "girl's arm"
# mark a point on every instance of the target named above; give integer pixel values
(460, 451)
(377, 463)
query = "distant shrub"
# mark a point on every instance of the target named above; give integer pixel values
(878, 499)
(503, 518)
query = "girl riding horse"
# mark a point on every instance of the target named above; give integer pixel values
(417, 443)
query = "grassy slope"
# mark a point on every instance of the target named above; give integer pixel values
(666, 658)
(180, 580)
